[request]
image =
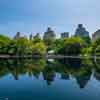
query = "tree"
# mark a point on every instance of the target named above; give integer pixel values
(86, 51)
(72, 46)
(4, 43)
(58, 44)
(87, 40)
(38, 48)
(95, 44)
(22, 46)
(37, 38)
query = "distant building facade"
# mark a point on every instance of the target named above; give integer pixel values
(49, 34)
(30, 37)
(96, 35)
(37, 36)
(81, 31)
(18, 34)
(65, 35)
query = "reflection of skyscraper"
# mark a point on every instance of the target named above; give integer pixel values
(97, 75)
(16, 74)
(65, 76)
(82, 81)
(49, 77)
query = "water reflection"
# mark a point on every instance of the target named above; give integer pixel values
(79, 69)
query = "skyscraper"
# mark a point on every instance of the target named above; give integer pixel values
(96, 35)
(49, 34)
(65, 35)
(81, 31)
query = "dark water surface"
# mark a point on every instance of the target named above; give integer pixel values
(41, 79)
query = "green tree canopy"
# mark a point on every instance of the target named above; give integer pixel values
(4, 43)
(95, 44)
(22, 46)
(39, 48)
(37, 38)
(72, 46)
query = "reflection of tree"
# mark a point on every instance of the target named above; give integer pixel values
(72, 62)
(3, 69)
(49, 73)
(80, 69)
(82, 75)
(19, 67)
(82, 80)
(35, 67)
(15, 67)
(97, 70)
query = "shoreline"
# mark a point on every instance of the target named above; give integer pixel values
(47, 56)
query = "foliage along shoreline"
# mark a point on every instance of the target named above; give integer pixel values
(22, 46)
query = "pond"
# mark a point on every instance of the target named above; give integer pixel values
(49, 79)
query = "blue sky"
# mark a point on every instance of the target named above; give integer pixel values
(32, 16)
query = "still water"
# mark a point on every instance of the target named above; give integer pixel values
(50, 79)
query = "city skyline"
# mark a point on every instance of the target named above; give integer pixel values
(36, 15)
